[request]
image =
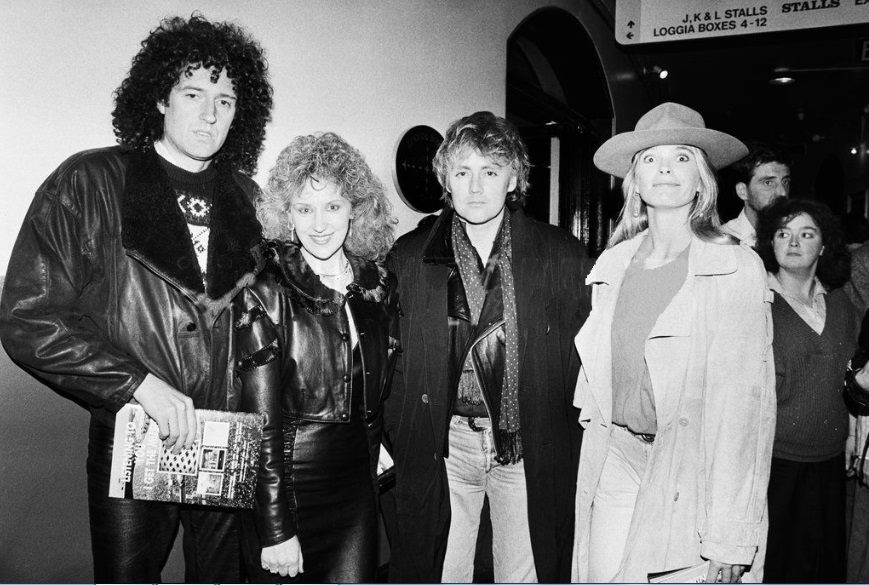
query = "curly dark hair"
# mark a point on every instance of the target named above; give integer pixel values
(178, 46)
(834, 265)
(327, 156)
(494, 137)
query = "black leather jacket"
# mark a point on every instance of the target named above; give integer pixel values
(485, 341)
(291, 329)
(104, 287)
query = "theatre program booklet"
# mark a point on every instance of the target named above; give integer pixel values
(219, 470)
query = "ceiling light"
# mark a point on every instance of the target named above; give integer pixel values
(660, 72)
(853, 150)
(781, 76)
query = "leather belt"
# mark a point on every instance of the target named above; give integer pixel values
(644, 437)
(473, 426)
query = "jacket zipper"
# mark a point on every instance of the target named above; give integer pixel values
(469, 353)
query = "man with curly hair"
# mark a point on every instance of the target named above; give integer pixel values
(481, 402)
(120, 280)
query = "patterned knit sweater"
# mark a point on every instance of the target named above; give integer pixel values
(812, 420)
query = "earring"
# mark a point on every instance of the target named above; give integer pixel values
(292, 233)
(350, 226)
(636, 211)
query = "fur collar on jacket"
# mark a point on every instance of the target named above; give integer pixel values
(154, 230)
(289, 268)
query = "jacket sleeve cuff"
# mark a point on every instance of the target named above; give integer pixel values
(728, 553)
(276, 535)
(122, 396)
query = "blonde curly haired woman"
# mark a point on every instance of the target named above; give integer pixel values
(316, 335)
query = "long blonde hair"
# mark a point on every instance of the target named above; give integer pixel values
(703, 218)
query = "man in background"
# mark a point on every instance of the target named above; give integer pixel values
(762, 176)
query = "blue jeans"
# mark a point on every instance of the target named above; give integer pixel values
(473, 474)
(614, 502)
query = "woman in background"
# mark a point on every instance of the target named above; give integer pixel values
(316, 335)
(676, 389)
(815, 334)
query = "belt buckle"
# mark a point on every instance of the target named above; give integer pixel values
(645, 437)
(473, 426)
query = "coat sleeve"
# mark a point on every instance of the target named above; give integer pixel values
(857, 287)
(395, 397)
(738, 415)
(572, 269)
(393, 309)
(54, 275)
(573, 282)
(258, 365)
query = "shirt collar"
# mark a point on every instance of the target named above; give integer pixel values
(775, 285)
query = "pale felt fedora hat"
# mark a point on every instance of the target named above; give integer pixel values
(668, 123)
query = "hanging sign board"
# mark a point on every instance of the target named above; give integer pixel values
(655, 21)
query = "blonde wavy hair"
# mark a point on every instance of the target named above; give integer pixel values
(703, 218)
(326, 156)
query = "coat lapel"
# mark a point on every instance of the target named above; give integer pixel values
(704, 260)
(438, 261)
(235, 230)
(671, 336)
(153, 227)
(155, 233)
(672, 331)
(594, 340)
(530, 275)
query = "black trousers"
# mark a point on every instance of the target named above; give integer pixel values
(132, 539)
(857, 518)
(806, 542)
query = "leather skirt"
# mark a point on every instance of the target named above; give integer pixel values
(327, 472)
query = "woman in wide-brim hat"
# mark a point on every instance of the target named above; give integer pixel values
(677, 391)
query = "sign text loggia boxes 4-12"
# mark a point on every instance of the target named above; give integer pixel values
(650, 21)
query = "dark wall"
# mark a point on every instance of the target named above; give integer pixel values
(44, 534)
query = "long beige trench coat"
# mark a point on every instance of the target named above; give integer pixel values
(709, 356)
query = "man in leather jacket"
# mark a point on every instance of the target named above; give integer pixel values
(120, 279)
(481, 402)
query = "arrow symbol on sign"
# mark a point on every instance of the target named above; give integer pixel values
(630, 24)
(630, 35)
